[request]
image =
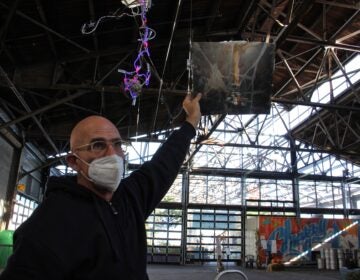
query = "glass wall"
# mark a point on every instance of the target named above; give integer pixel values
(175, 192)
(215, 190)
(164, 235)
(23, 207)
(322, 195)
(204, 226)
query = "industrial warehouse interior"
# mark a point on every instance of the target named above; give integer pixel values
(270, 186)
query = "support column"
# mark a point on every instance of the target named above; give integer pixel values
(11, 188)
(345, 195)
(243, 221)
(184, 203)
(294, 178)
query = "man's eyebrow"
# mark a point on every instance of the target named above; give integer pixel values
(104, 139)
(97, 139)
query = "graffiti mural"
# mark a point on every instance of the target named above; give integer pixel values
(288, 238)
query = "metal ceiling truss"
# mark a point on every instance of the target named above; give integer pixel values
(230, 146)
(5, 26)
(48, 29)
(27, 108)
(338, 130)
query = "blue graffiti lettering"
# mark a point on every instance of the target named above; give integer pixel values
(304, 239)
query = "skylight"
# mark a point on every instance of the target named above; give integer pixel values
(321, 94)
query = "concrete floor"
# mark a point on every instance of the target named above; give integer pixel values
(208, 272)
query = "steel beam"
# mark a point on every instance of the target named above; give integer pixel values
(215, 5)
(347, 124)
(11, 187)
(245, 15)
(315, 104)
(77, 107)
(303, 27)
(293, 77)
(328, 43)
(43, 18)
(355, 6)
(46, 164)
(44, 109)
(27, 108)
(235, 145)
(303, 9)
(215, 125)
(344, 38)
(6, 24)
(47, 28)
(92, 15)
(257, 174)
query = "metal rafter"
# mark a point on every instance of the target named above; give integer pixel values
(347, 125)
(302, 10)
(8, 54)
(293, 77)
(160, 96)
(92, 16)
(324, 128)
(49, 162)
(318, 75)
(206, 136)
(76, 107)
(245, 15)
(44, 109)
(328, 43)
(275, 11)
(27, 108)
(342, 69)
(300, 25)
(4, 29)
(320, 78)
(355, 6)
(323, 78)
(47, 28)
(214, 9)
(327, 106)
(299, 58)
(44, 20)
(348, 36)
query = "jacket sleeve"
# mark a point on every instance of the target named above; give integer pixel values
(31, 261)
(148, 185)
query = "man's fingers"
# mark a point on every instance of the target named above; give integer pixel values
(198, 97)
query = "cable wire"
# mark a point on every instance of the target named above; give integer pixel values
(165, 64)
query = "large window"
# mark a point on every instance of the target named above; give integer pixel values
(175, 192)
(324, 195)
(215, 190)
(164, 235)
(205, 225)
(23, 208)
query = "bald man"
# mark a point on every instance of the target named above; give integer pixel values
(92, 226)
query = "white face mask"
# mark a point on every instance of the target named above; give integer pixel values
(105, 172)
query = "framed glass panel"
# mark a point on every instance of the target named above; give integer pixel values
(23, 208)
(173, 242)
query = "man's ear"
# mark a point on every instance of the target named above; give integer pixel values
(71, 160)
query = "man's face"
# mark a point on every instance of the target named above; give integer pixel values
(93, 138)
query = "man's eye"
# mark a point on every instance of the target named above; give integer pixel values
(98, 146)
(117, 144)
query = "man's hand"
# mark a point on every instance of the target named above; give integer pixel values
(192, 109)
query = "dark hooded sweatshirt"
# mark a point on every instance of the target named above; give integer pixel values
(75, 234)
